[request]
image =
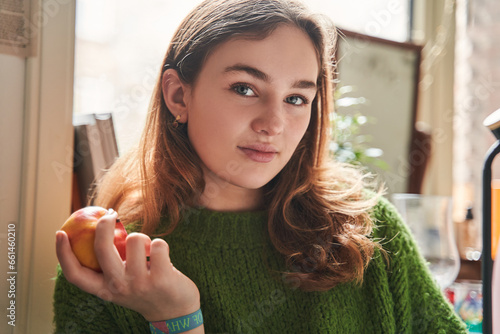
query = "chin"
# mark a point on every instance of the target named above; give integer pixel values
(252, 183)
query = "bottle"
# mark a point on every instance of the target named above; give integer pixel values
(472, 242)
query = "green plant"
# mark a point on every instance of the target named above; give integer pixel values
(350, 144)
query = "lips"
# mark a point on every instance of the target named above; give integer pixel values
(263, 153)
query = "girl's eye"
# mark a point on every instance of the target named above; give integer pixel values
(296, 100)
(243, 90)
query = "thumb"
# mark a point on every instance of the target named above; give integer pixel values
(65, 255)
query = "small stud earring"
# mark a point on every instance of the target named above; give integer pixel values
(175, 123)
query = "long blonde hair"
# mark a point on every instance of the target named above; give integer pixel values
(318, 214)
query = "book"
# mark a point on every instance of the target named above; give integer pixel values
(95, 150)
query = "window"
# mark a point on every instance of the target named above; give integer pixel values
(119, 48)
(388, 19)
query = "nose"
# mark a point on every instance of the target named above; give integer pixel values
(270, 121)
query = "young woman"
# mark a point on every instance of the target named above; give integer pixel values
(258, 229)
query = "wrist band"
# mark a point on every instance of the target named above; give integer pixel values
(177, 325)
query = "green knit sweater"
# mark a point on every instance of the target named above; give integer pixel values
(232, 261)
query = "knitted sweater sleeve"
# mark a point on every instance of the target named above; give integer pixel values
(419, 305)
(76, 311)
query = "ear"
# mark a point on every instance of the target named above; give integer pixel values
(175, 94)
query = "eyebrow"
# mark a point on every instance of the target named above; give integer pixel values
(258, 74)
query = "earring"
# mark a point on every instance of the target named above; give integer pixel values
(175, 123)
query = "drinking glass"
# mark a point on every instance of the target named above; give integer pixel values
(429, 218)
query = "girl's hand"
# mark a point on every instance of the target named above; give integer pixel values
(155, 289)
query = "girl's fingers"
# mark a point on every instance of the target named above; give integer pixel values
(106, 252)
(134, 281)
(160, 259)
(138, 245)
(85, 278)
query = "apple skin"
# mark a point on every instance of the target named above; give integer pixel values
(80, 228)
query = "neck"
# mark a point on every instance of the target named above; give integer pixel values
(223, 196)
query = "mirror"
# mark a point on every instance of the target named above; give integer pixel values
(386, 74)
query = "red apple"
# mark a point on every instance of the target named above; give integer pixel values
(80, 228)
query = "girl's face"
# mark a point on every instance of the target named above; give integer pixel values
(248, 110)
